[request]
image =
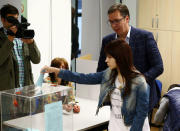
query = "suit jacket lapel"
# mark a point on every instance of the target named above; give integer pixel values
(132, 40)
(132, 37)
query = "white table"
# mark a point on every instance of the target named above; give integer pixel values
(87, 117)
(84, 120)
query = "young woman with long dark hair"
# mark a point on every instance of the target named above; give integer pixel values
(122, 87)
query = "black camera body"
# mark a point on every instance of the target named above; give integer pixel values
(22, 31)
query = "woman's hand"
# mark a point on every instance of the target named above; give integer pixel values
(47, 69)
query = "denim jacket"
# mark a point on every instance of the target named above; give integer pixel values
(135, 106)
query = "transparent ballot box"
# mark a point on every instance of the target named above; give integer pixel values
(34, 108)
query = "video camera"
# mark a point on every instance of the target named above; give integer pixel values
(22, 31)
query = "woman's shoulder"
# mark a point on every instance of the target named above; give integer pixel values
(107, 73)
(139, 82)
(139, 79)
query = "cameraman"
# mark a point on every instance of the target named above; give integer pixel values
(15, 53)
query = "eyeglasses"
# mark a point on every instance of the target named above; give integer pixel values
(116, 21)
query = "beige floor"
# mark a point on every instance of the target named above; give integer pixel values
(154, 129)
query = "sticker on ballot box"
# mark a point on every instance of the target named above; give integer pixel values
(29, 129)
(53, 117)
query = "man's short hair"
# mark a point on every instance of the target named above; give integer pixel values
(121, 8)
(8, 9)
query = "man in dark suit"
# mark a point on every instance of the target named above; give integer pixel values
(146, 56)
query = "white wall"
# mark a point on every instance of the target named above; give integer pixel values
(87, 91)
(57, 43)
(40, 22)
(105, 28)
(94, 27)
(132, 6)
(90, 28)
(61, 29)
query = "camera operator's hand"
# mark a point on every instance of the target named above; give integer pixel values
(27, 41)
(14, 30)
(11, 38)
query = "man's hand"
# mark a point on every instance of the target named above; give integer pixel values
(27, 41)
(11, 38)
(13, 29)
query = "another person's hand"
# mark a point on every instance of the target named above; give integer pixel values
(76, 108)
(14, 30)
(47, 69)
(27, 41)
(68, 107)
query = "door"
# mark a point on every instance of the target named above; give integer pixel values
(175, 58)
(164, 42)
